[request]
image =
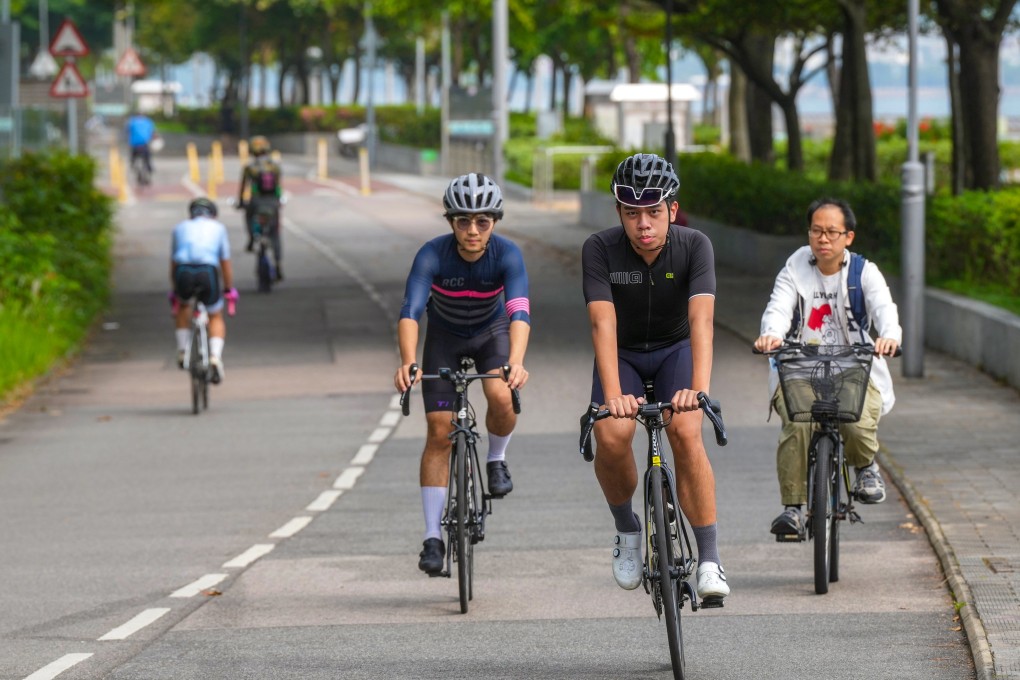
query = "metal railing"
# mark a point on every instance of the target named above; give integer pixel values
(543, 164)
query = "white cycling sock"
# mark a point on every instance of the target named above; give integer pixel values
(216, 347)
(433, 502)
(182, 335)
(497, 447)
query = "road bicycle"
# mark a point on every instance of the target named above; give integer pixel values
(669, 561)
(196, 354)
(467, 501)
(825, 385)
(265, 225)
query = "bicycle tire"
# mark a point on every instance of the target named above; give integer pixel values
(473, 521)
(837, 484)
(669, 588)
(264, 271)
(463, 540)
(822, 516)
(195, 369)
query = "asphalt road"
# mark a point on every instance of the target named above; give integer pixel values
(276, 535)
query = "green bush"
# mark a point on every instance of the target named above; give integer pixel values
(55, 237)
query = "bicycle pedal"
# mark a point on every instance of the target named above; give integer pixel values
(790, 538)
(712, 603)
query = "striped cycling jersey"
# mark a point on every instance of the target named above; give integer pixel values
(464, 297)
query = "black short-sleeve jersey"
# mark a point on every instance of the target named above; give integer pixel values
(650, 300)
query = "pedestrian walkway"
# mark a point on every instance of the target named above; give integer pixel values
(951, 444)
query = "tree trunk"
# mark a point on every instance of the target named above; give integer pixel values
(567, 79)
(555, 71)
(529, 89)
(740, 141)
(794, 141)
(959, 166)
(979, 106)
(853, 150)
(281, 90)
(357, 78)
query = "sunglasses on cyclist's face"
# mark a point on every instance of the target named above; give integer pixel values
(639, 198)
(463, 222)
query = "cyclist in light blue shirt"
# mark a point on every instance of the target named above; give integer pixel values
(199, 253)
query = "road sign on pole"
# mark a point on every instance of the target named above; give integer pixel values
(69, 82)
(130, 64)
(68, 41)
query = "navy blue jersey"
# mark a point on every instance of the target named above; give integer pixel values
(650, 300)
(464, 297)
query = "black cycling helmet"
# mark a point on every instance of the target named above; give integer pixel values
(643, 180)
(202, 206)
(471, 194)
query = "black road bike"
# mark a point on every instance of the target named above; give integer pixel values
(669, 561)
(825, 385)
(196, 357)
(467, 502)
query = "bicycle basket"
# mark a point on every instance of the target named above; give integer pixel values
(824, 379)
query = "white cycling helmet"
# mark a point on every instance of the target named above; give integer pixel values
(473, 193)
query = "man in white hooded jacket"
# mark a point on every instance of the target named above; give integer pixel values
(812, 290)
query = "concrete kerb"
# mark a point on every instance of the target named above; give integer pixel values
(977, 637)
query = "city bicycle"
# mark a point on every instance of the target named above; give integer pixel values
(825, 385)
(265, 225)
(669, 561)
(467, 501)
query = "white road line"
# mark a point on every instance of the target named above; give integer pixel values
(395, 401)
(347, 478)
(136, 624)
(249, 555)
(198, 585)
(324, 501)
(390, 419)
(336, 185)
(379, 434)
(191, 186)
(365, 454)
(291, 527)
(52, 670)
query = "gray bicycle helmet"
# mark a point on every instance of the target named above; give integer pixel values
(202, 206)
(643, 180)
(473, 193)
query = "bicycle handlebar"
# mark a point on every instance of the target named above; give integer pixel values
(453, 377)
(711, 407)
(857, 347)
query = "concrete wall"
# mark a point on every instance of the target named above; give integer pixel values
(984, 336)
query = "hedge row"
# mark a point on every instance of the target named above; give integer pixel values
(55, 239)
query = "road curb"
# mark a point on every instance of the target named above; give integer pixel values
(977, 636)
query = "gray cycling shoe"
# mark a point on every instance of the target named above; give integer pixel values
(627, 569)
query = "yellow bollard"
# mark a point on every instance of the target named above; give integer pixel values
(366, 182)
(242, 152)
(275, 156)
(122, 190)
(114, 164)
(196, 176)
(217, 161)
(323, 168)
(210, 189)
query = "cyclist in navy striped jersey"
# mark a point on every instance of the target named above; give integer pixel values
(474, 286)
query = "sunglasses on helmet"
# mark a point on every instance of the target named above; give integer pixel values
(639, 198)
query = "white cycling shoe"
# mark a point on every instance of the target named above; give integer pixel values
(627, 569)
(712, 586)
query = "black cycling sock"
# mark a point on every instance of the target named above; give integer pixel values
(705, 537)
(626, 521)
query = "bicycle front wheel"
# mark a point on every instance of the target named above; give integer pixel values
(822, 516)
(668, 573)
(462, 539)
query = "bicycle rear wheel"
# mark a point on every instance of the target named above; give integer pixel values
(822, 517)
(195, 369)
(264, 271)
(665, 563)
(463, 539)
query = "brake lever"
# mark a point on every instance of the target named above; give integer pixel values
(515, 395)
(405, 405)
(713, 409)
(587, 423)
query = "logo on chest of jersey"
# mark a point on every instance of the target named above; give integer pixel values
(453, 283)
(625, 277)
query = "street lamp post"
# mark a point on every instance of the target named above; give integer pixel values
(912, 221)
(670, 134)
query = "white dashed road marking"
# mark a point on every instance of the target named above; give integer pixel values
(365, 454)
(250, 555)
(136, 624)
(197, 586)
(348, 478)
(291, 527)
(52, 670)
(324, 501)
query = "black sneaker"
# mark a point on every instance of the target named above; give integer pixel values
(499, 479)
(431, 556)
(789, 523)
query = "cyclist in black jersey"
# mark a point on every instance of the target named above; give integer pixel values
(650, 289)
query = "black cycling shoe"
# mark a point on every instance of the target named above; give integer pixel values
(250, 247)
(499, 479)
(279, 272)
(431, 556)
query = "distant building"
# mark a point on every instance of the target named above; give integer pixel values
(634, 115)
(153, 96)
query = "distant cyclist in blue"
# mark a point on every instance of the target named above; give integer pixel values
(475, 287)
(140, 131)
(199, 255)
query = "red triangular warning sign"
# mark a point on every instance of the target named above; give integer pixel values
(130, 64)
(68, 41)
(69, 82)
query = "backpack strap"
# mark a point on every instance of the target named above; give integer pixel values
(855, 295)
